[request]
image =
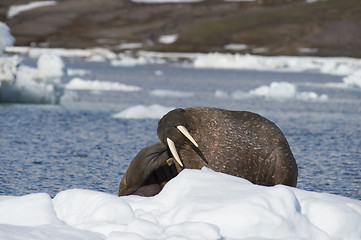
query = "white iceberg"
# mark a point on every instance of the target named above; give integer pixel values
(23, 84)
(168, 39)
(197, 204)
(154, 111)
(6, 39)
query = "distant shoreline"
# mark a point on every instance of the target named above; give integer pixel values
(271, 28)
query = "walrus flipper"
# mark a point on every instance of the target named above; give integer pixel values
(139, 178)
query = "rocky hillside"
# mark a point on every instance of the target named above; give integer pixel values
(267, 27)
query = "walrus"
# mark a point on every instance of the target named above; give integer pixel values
(239, 143)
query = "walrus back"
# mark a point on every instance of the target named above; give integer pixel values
(242, 144)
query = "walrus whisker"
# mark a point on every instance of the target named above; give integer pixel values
(174, 152)
(185, 132)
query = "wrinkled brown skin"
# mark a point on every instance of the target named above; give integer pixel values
(238, 143)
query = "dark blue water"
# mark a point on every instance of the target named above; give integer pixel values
(78, 144)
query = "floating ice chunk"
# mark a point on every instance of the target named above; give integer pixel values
(158, 73)
(6, 39)
(32, 85)
(16, 9)
(50, 69)
(353, 80)
(96, 58)
(128, 61)
(8, 68)
(77, 72)
(307, 50)
(168, 39)
(235, 47)
(96, 85)
(154, 111)
(221, 94)
(171, 93)
(276, 90)
(285, 90)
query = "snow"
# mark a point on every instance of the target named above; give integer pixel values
(77, 72)
(168, 39)
(6, 39)
(154, 111)
(16, 9)
(35, 52)
(197, 204)
(275, 91)
(97, 85)
(235, 47)
(23, 84)
(170, 93)
(123, 46)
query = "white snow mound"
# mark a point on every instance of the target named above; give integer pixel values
(197, 204)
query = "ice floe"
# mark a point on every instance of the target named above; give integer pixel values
(97, 85)
(197, 204)
(170, 93)
(154, 111)
(285, 91)
(35, 52)
(331, 65)
(275, 91)
(16, 9)
(235, 47)
(353, 80)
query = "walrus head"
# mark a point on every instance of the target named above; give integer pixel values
(173, 128)
(156, 164)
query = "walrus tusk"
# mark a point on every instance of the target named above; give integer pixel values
(185, 132)
(173, 150)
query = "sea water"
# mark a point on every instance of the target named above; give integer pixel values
(81, 144)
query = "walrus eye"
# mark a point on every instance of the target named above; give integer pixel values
(185, 132)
